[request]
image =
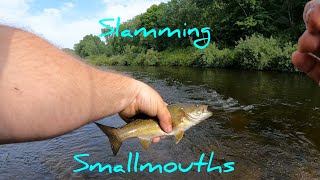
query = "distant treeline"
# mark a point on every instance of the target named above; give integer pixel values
(248, 34)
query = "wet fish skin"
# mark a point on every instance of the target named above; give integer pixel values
(183, 117)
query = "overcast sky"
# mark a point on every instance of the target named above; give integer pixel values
(66, 22)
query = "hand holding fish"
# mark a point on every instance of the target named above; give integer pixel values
(309, 43)
(149, 102)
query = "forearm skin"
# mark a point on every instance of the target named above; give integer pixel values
(45, 92)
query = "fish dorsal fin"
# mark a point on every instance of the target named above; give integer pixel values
(179, 136)
(145, 143)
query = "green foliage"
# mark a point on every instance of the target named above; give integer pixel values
(256, 52)
(118, 44)
(283, 61)
(69, 51)
(260, 53)
(139, 60)
(234, 40)
(212, 56)
(152, 58)
(179, 57)
(228, 20)
(90, 45)
(103, 60)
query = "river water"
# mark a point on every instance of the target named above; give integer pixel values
(268, 123)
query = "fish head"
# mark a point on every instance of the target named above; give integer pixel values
(195, 112)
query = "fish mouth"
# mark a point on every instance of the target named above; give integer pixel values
(205, 112)
(204, 108)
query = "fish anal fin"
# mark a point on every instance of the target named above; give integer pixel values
(145, 143)
(179, 136)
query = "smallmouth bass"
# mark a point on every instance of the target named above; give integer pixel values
(183, 117)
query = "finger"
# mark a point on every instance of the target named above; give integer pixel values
(164, 118)
(126, 119)
(311, 16)
(309, 42)
(127, 113)
(303, 61)
(307, 64)
(156, 140)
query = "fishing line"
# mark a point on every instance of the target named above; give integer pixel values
(315, 55)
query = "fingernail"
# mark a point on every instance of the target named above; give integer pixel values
(306, 13)
(309, 8)
(169, 129)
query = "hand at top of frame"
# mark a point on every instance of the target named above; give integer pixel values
(309, 42)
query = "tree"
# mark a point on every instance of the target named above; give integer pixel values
(229, 22)
(90, 45)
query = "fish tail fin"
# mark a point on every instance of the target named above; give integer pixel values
(112, 134)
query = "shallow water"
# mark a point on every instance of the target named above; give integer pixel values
(267, 123)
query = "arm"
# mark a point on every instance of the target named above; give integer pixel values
(45, 92)
(309, 42)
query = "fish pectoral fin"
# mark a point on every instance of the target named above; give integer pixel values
(145, 143)
(182, 113)
(179, 136)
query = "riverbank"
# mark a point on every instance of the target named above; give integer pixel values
(253, 53)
